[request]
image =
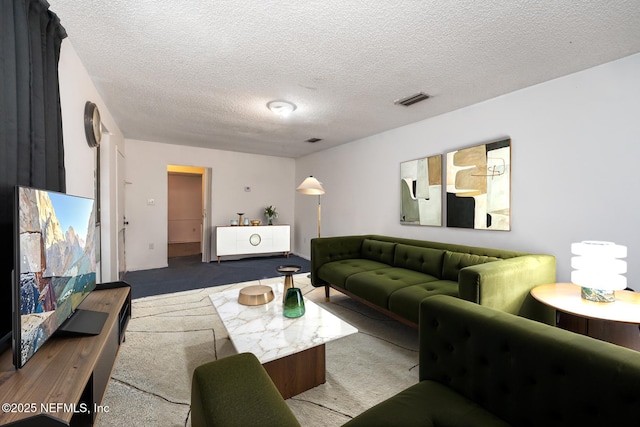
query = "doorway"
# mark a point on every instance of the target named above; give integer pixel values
(188, 233)
(110, 222)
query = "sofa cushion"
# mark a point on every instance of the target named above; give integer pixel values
(455, 261)
(376, 250)
(376, 286)
(427, 403)
(425, 260)
(406, 301)
(337, 272)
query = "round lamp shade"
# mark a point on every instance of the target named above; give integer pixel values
(310, 186)
(597, 265)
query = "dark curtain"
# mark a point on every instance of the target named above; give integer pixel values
(31, 146)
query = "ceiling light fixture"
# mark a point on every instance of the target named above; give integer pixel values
(281, 108)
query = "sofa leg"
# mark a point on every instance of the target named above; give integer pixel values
(326, 292)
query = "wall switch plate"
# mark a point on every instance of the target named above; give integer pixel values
(151, 202)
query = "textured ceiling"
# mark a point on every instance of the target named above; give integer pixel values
(201, 72)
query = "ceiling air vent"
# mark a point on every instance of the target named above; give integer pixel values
(410, 100)
(312, 140)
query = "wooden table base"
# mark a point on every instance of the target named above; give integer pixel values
(298, 372)
(623, 334)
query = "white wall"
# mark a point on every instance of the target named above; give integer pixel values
(575, 153)
(271, 180)
(76, 88)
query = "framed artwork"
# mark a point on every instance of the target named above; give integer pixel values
(479, 187)
(421, 191)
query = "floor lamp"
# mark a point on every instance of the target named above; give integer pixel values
(312, 187)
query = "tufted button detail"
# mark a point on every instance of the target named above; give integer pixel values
(505, 388)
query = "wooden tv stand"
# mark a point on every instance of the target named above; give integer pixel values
(65, 381)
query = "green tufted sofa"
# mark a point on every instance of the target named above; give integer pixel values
(394, 275)
(478, 367)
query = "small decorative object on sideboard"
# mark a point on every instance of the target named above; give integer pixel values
(240, 221)
(255, 222)
(270, 213)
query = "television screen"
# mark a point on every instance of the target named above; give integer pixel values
(54, 264)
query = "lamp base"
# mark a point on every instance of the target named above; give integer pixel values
(598, 295)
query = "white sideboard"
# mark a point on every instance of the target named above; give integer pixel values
(252, 239)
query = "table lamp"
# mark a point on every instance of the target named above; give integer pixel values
(598, 269)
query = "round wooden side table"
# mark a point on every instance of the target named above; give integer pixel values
(616, 322)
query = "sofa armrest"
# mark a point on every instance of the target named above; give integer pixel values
(328, 249)
(505, 285)
(237, 391)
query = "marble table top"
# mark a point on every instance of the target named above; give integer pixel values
(264, 331)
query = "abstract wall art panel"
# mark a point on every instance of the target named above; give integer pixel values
(421, 191)
(479, 187)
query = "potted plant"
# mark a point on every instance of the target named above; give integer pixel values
(270, 213)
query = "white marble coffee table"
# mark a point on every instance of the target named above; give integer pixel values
(291, 350)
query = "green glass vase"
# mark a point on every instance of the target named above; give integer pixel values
(293, 303)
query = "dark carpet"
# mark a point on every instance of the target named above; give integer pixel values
(189, 272)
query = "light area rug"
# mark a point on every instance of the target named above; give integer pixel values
(170, 335)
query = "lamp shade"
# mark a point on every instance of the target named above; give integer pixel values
(597, 265)
(310, 186)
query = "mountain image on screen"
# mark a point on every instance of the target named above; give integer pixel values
(57, 267)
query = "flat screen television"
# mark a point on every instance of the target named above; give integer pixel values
(54, 269)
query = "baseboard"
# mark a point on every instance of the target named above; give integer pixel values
(301, 256)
